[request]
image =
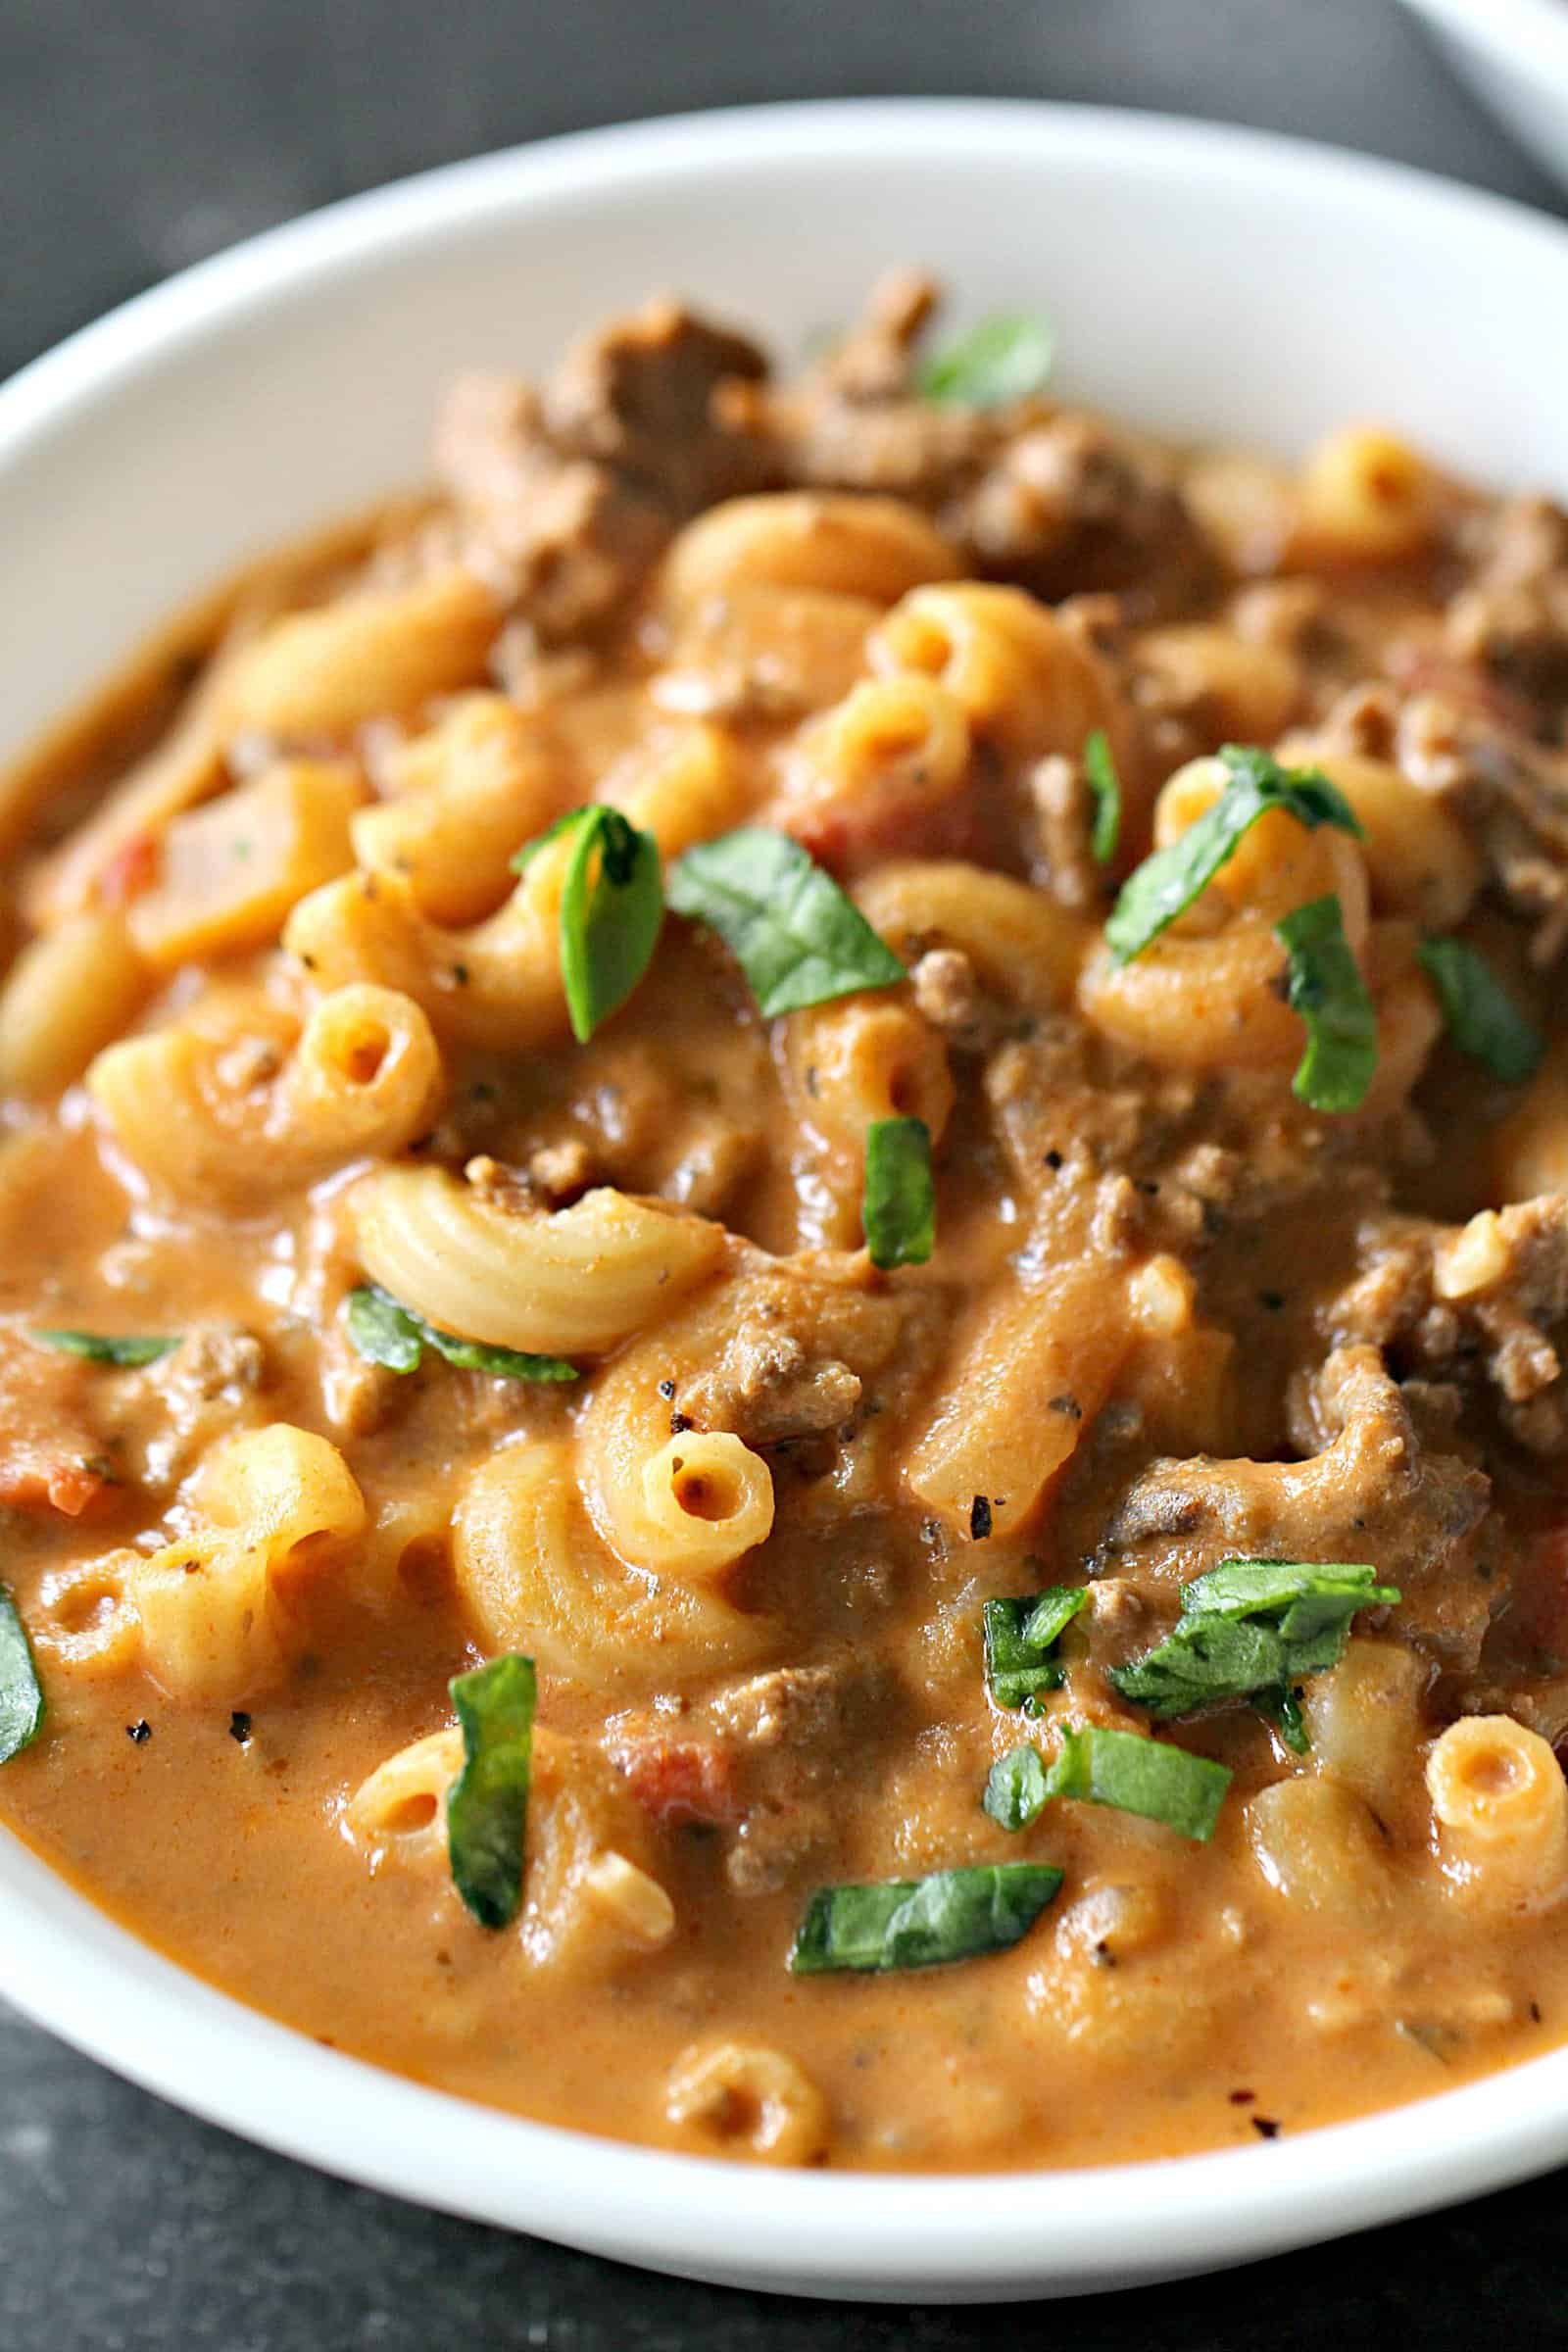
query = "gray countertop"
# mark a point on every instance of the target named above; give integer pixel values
(136, 136)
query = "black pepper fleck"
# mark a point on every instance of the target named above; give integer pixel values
(680, 1423)
(1272, 1299)
(1052, 1159)
(1242, 2098)
(1068, 1405)
(459, 973)
(667, 1390)
(1264, 2126)
(239, 1726)
(139, 1732)
(979, 1519)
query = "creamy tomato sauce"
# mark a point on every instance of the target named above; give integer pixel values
(286, 1030)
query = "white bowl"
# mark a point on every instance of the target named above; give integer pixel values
(1514, 55)
(1209, 281)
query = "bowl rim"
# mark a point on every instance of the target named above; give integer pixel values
(73, 1970)
(1525, 30)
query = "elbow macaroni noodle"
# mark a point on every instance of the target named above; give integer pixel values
(497, 983)
(274, 1511)
(1206, 996)
(876, 548)
(552, 1284)
(1499, 1806)
(1019, 678)
(533, 1575)
(230, 1116)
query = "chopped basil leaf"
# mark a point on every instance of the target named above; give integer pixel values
(503, 1363)
(1251, 1629)
(1312, 1594)
(102, 1348)
(1283, 1711)
(1168, 882)
(20, 1692)
(1101, 1766)
(487, 1805)
(612, 906)
(1205, 1659)
(383, 1332)
(1053, 1612)
(387, 1333)
(1327, 989)
(1021, 1641)
(1016, 1788)
(922, 1923)
(900, 1205)
(1004, 358)
(1483, 1019)
(796, 936)
(1138, 1775)
(1099, 775)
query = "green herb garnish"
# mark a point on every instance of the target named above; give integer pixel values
(1483, 1019)
(921, 1923)
(102, 1347)
(1102, 1766)
(1327, 989)
(796, 935)
(1167, 883)
(487, 1805)
(900, 1205)
(1252, 1628)
(1018, 1788)
(1138, 1774)
(1283, 1711)
(612, 906)
(1099, 775)
(1022, 1638)
(1004, 358)
(20, 1692)
(387, 1333)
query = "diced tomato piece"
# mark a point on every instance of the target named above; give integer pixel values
(31, 1481)
(682, 1779)
(51, 1453)
(131, 869)
(848, 834)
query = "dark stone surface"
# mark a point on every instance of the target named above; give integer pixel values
(136, 136)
